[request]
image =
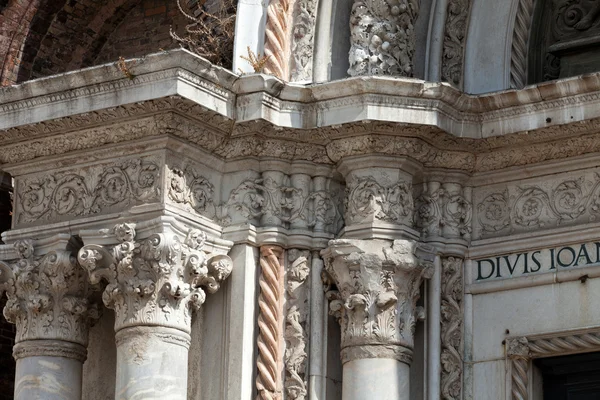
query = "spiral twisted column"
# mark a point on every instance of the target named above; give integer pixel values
(378, 284)
(47, 300)
(520, 44)
(270, 323)
(519, 354)
(153, 284)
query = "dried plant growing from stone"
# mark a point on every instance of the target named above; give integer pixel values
(210, 34)
(257, 61)
(124, 68)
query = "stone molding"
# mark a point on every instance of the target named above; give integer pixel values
(270, 323)
(452, 328)
(163, 334)
(297, 327)
(377, 285)
(521, 350)
(47, 295)
(382, 37)
(49, 348)
(157, 281)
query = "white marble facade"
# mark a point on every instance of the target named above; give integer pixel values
(196, 234)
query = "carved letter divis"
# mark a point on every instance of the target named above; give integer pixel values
(155, 281)
(378, 285)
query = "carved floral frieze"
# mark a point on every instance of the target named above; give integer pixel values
(367, 200)
(57, 196)
(375, 296)
(550, 204)
(156, 281)
(454, 41)
(443, 213)
(452, 328)
(382, 37)
(47, 295)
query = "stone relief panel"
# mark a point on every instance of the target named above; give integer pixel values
(368, 200)
(67, 194)
(382, 37)
(443, 210)
(527, 205)
(452, 328)
(457, 19)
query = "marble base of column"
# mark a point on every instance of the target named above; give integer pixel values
(152, 363)
(48, 369)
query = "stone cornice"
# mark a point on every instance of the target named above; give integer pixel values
(255, 97)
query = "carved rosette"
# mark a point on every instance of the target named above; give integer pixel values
(47, 296)
(157, 281)
(296, 324)
(378, 285)
(452, 323)
(382, 36)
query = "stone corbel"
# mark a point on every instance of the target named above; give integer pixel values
(520, 351)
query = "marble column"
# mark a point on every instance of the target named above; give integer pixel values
(47, 300)
(154, 284)
(378, 285)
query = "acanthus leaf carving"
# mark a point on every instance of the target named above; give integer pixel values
(47, 295)
(375, 300)
(157, 281)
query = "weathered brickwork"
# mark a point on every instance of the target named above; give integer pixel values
(40, 38)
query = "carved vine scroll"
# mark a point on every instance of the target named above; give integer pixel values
(270, 324)
(454, 41)
(452, 328)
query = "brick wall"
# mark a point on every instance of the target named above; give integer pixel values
(7, 362)
(145, 30)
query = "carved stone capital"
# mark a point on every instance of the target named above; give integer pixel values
(47, 295)
(156, 281)
(378, 286)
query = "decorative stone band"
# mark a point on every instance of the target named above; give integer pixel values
(155, 282)
(162, 334)
(520, 43)
(378, 285)
(49, 348)
(270, 323)
(520, 351)
(399, 353)
(47, 294)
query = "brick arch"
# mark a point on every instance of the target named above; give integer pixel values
(15, 20)
(44, 37)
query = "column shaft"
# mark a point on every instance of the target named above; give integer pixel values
(152, 363)
(376, 378)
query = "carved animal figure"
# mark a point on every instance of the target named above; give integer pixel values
(589, 18)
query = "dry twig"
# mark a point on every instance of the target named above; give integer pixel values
(210, 34)
(256, 60)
